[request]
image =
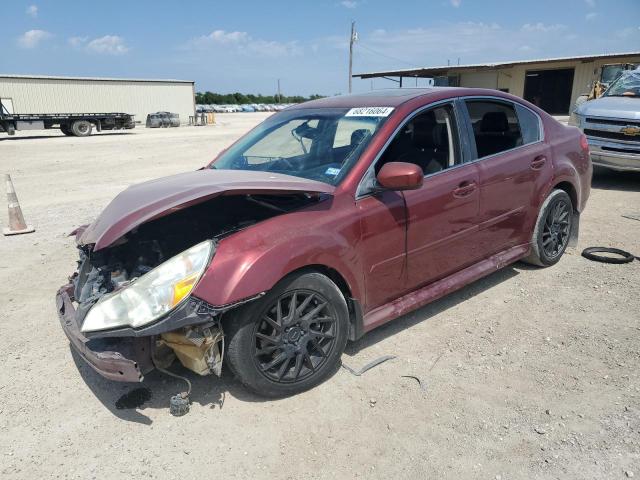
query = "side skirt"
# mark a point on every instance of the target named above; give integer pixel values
(433, 291)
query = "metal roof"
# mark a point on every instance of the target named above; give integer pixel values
(439, 70)
(100, 79)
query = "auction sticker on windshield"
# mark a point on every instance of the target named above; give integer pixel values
(369, 112)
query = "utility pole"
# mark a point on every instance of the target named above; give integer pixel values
(279, 94)
(352, 39)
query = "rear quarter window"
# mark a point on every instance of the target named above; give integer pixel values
(529, 125)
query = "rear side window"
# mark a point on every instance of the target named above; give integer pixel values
(529, 125)
(495, 126)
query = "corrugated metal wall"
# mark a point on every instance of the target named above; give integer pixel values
(37, 95)
(513, 78)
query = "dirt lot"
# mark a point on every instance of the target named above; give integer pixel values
(529, 373)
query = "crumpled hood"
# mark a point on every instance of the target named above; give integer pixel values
(156, 198)
(611, 107)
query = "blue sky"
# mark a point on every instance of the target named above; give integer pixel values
(246, 46)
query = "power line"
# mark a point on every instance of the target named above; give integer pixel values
(360, 44)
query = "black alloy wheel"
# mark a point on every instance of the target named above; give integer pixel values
(555, 234)
(295, 336)
(552, 230)
(291, 339)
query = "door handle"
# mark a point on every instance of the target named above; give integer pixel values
(464, 189)
(538, 162)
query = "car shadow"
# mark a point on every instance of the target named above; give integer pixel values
(43, 137)
(434, 308)
(209, 391)
(604, 179)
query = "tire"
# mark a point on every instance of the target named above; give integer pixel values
(623, 256)
(274, 355)
(81, 128)
(64, 128)
(552, 231)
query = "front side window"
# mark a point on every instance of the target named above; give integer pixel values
(495, 126)
(319, 144)
(428, 140)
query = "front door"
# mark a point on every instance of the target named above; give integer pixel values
(442, 222)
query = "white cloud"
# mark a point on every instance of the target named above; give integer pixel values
(243, 43)
(32, 38)
(542, 28)
(349, 3)
(32, 10)
(455, 3)
(472, 42)
(222, 36)
(108, 45)
(591, 16)
(78, 41)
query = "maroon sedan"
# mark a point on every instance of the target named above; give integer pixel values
(325, 221)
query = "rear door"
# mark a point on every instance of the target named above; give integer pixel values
(514, 165)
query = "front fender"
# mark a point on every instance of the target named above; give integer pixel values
(244, 266)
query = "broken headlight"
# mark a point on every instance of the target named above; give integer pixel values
(153, 294)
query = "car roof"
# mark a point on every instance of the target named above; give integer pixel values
(376, 98)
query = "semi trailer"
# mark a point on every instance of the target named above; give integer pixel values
(73, 124)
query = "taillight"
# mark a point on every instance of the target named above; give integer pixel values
(584, 144)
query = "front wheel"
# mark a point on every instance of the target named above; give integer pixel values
(552, 231)
(290, 340)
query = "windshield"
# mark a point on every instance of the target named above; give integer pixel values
(627, 85)
(319, 144)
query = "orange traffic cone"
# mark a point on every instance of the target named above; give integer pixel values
(17, 224)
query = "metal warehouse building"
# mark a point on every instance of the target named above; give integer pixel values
(43, 94)
(554, 84)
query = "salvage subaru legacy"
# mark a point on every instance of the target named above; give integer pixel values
(325, 221)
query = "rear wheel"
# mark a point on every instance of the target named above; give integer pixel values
(64, 128)
(552, 231)
(290, 340)
(81, 128)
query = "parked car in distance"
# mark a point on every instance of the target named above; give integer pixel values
(163, 119)
(248, 108)
(327, 220)
(612, 124)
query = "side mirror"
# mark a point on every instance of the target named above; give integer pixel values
(400, 176)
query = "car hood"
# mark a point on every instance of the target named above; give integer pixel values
(611, 107)
(156, 198)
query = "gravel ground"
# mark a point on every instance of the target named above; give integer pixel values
(528, 373)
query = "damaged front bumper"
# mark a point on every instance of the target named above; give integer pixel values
(192, 332)
(125, 359)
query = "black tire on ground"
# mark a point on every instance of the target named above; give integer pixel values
(64, 128)
(623, 256)
(552, 230)
(276, 354)
(81, 128)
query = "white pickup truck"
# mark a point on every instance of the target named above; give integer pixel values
(612, 124)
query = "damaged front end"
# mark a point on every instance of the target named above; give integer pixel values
(129, 306)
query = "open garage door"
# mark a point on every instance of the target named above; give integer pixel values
(550, 89)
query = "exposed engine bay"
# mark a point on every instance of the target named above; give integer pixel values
(198, 347)
(147, 246)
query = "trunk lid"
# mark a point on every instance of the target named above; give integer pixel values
(156, 198)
